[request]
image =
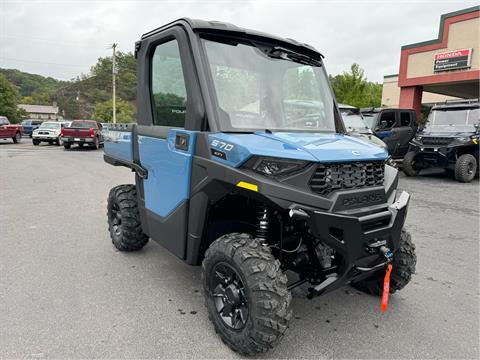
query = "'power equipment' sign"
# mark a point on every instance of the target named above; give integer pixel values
(452, 60)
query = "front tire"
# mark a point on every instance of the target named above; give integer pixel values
(404, 262)
(17, 138)
(35, 142)
(67, 146)
(246, 293)
(409, 166)
(124, 219)
(465, 168)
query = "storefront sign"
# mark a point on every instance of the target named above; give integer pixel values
(452, 60)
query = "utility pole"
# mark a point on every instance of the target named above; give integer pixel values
(114, 72)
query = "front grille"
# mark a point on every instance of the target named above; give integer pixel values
(436, 140)
(44, 133)
(344, 176)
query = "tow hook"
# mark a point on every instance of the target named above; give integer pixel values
(387, 253)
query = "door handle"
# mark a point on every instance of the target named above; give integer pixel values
(181, 141)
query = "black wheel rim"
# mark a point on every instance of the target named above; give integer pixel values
(116, 219)
(470, 168)
(229, 296)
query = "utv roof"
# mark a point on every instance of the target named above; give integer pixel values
(377, 110)
(371, 110)
(223, 28)
(458, 104)
(345, 106)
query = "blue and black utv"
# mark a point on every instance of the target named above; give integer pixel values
(242, 166)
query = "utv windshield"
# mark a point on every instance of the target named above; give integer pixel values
(370, 119)
(453, 119)
(260, 89)
(353, 120)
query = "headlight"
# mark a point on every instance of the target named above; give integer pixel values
(463, 139)
(277, 166)
(418, 138)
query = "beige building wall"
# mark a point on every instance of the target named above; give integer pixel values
(461, 35)
(391, 94)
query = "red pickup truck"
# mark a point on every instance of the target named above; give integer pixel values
(12, 131)
(82, 132)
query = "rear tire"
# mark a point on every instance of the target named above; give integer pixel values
(17, 138)
(250, 309)
(409, 164)
(404, 262)
(124, 219)
(465, 168)
(67, 146)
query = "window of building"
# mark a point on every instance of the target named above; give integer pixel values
(169, 93)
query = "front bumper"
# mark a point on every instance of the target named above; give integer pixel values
(351, 237)
(45, 137)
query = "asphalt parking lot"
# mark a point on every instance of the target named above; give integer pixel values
(65, 292)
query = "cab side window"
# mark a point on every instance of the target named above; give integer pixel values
(405, 118)
(387, 120)
(168, 91)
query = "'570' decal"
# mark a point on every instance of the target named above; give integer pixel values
(222, 145)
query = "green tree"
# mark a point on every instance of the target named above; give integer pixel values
(9, 97)
(104, 111)
(38, 98)
(353, 88)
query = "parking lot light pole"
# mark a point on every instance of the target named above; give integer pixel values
(114, 71)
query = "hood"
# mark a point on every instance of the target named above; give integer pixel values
(315, 147)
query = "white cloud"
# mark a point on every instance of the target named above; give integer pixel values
(64, 38)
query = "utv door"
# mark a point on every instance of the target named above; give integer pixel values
(405, 130)
(165, 147)
(385, 130)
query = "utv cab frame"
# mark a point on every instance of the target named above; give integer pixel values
(242, 165)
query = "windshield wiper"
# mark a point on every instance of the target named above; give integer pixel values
(278, 52)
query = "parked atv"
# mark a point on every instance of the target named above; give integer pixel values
(449, 141)
(242, 166)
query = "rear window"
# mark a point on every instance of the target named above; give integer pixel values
(84, 124)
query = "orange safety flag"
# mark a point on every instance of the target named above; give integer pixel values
(386, 288)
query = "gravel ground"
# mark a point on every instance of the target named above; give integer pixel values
(65, 292)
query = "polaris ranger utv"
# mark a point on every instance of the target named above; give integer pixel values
(233, 173)
(449, 141)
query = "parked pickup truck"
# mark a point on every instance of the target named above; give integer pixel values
(30, 125)
(82, 132)
(49, 131)
(12, 131)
